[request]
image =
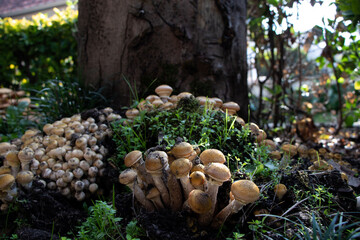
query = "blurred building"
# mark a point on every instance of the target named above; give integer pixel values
(18, 9)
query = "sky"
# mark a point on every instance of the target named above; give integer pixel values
(309, 16)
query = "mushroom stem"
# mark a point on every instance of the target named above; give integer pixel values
(175, 193)
(185, 182)
(233, 207)
(140, 197)
(157, 202)
(162, 188)
(206, 218)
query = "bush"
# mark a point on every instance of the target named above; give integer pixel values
(36, 50)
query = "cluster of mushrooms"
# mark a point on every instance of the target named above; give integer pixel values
(185, 179)
(68, 156)
(9, 97)
(165, 101)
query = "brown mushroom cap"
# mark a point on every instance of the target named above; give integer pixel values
(218, 172)
(152, 98)
(245, 191)
(275, 155)
(12, 159)
(197, 178)
(181, 167)
(6, 181)
(154, 161)
(26, 154)
(5, 147)
(321, 165)
(261, 136)
(240, 121)
(182, 149)
(211, 156)
(184, 95)
(132, 158)
(164, 90)
(218, 102)
(280, 190)
(157, 103)
(269, 143)
(5, 170)
(24, 177)
(132, 113)
(198, 167)
(127, 176)
(289, 149)
(231, 107)
(199, 201)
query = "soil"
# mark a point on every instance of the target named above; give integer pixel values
(45, 214)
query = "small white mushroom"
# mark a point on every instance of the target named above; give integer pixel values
(25, 156)
(79, 186)
(84, 165)
(68, 176)
(60, 173)
(46, 173)
(57, 166)
(73, 163)
(99, 164)
(93, 127)
(93, 171)
(65, 191)
(80, 196)
(51, 185)
(61, 183)
(34, 166)
(78, 173)
(93, 187)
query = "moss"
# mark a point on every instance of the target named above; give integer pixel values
(189, 104)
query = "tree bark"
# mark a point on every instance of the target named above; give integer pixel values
(194, 45)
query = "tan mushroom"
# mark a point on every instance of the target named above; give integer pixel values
(231, 107)
(244, 192)
(13, 161)
(128, 178)
(25, 156)
(181, 168)
(7, 187)
(164, 92)
(25, 179)
(280, 190)
(198, 180)
(212, 156)
(217, 173)
(154, 164)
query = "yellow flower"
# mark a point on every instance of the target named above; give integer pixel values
(24, 81)
(12, 66)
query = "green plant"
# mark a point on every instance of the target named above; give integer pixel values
(337, 229)
(33, 51)
(101, 223)
(15, 122)
(197, 125)
(236, 236)
(133, 232)
(58, 99)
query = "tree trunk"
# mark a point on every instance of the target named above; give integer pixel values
(197, 46)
